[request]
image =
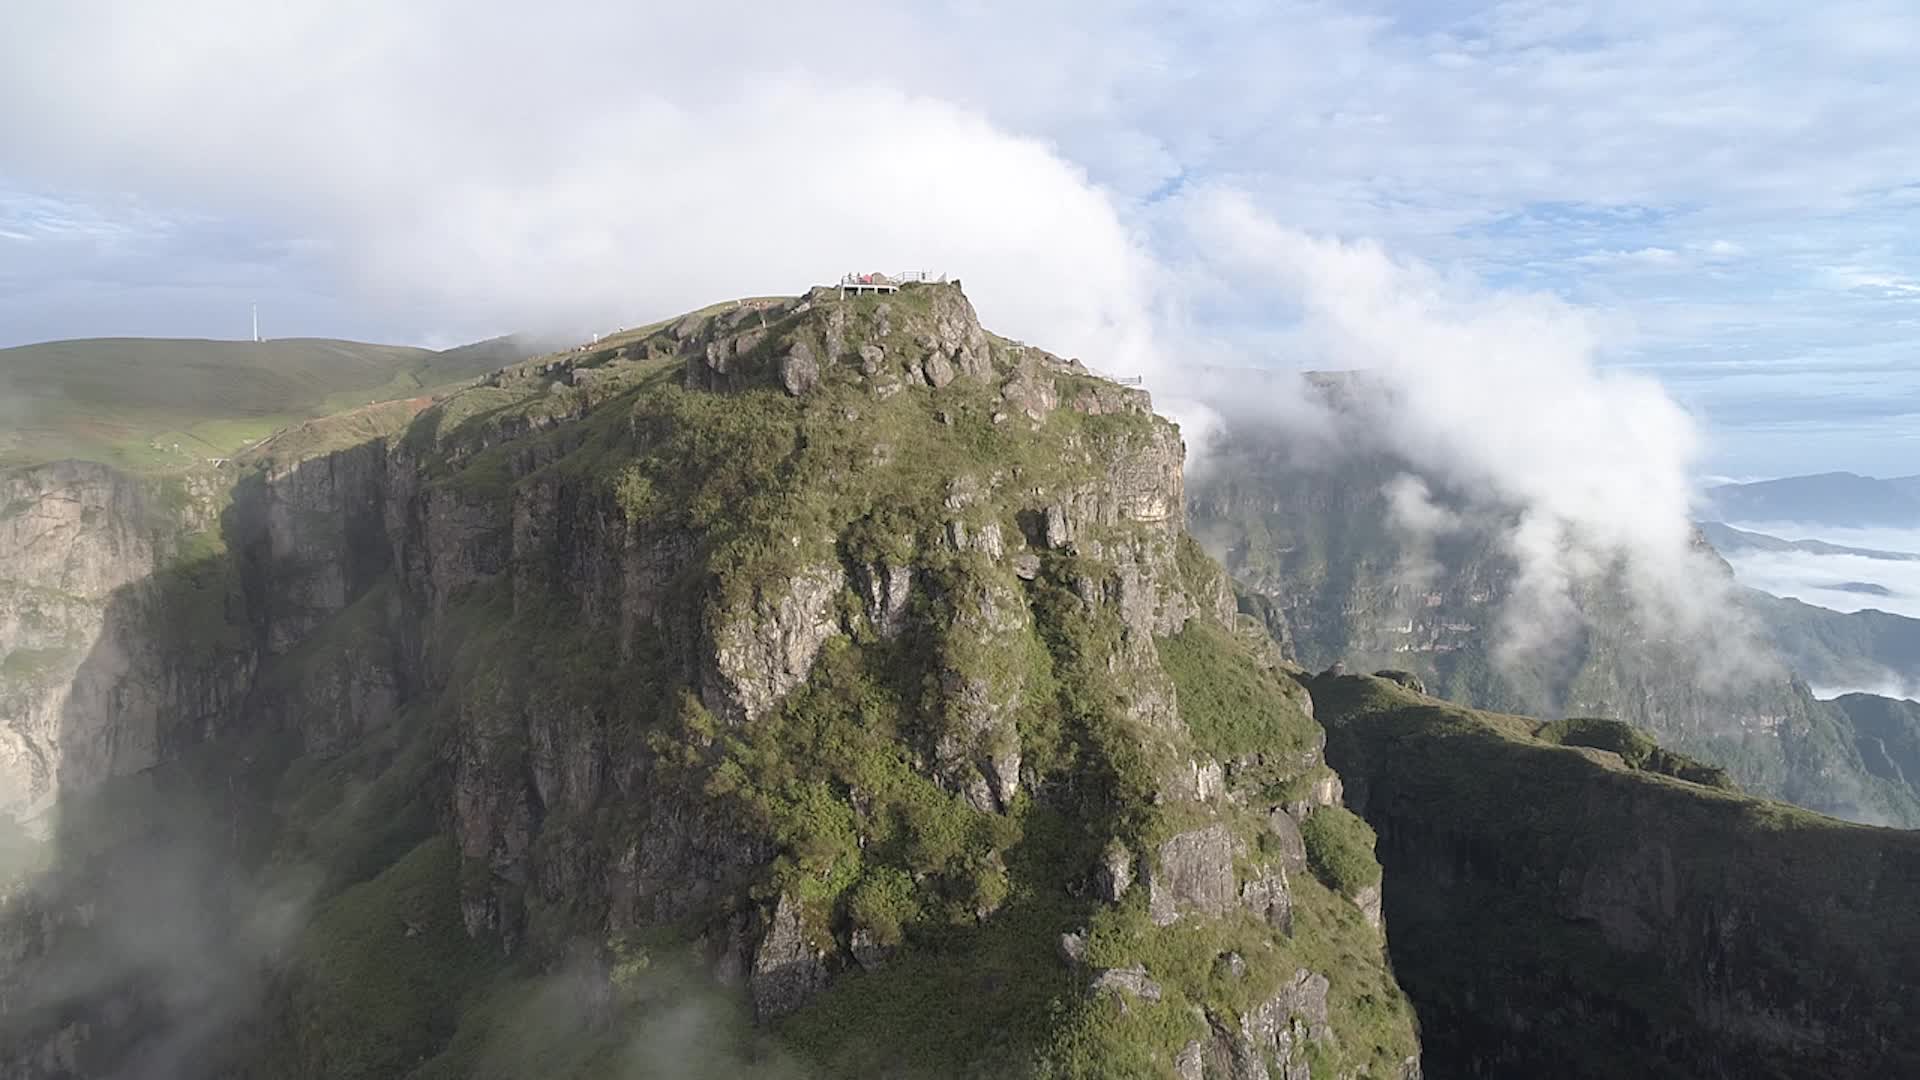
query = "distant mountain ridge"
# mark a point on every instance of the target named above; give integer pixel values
(1728, 540)
(1843, 499)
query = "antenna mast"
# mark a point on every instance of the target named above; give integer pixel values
(256, 322)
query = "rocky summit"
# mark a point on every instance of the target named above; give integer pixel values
(823, 686)
(815, 686)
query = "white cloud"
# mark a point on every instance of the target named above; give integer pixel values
(1646, 257)
(1816, 578)
(1498, 393)
(542, 170)
(502, 166)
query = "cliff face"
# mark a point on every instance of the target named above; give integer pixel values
(1316, 550)
(832, 650)
(87, 690)
(1621, 922)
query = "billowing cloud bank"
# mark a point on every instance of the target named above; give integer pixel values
(569, 168)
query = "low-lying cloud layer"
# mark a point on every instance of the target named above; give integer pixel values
(1833, 581)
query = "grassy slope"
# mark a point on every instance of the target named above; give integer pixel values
(149, 403)
(1619, 919)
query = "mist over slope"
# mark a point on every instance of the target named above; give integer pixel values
(1367, 555)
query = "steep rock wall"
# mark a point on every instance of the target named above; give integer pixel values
(817, 642)
(1620, 922)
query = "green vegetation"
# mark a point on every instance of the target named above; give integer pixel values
(156, 404)
(380, 974)
(1340, 849)
(1235, 708)
(1371, 1019)
(1634, 746)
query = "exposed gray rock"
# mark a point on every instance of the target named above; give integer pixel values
(763, 652)
(1030, 391)
(1368, 901)
(979, 735)
(1073, 947)
(1405, 678)
(1192, 871)
(873, 360)
(1114, 876)
(1271, 899)
(788, 969)
(1058, 532)
(1191, 1062)
(799, 371)
(1026, 566)
(1285, 842)
(888, 589)
(938, 371)
(868, 953)
(691, 327)
(1207, 778)
(1277, 1029)
(1128, 981)
(1110, 399)
(1325, 791)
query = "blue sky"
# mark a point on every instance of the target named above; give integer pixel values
(1730, 192)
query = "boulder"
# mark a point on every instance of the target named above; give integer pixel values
(1284, 841)
(788, 969)
(1269, 897)
(799, 371)
(1192, 872)
(1114, 876)
(1127, 981)
(1405, 678)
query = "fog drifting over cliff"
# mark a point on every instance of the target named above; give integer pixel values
(581, 168)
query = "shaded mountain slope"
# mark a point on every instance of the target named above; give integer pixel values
(1838, 498)
(1554, 911)
(1888, 730)
(1839, 649)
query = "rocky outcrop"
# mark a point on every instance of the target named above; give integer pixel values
(91, 685)
(1192, 872)
(788, 968)
(730, 673)
(765, 649)
(1268, 1042)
